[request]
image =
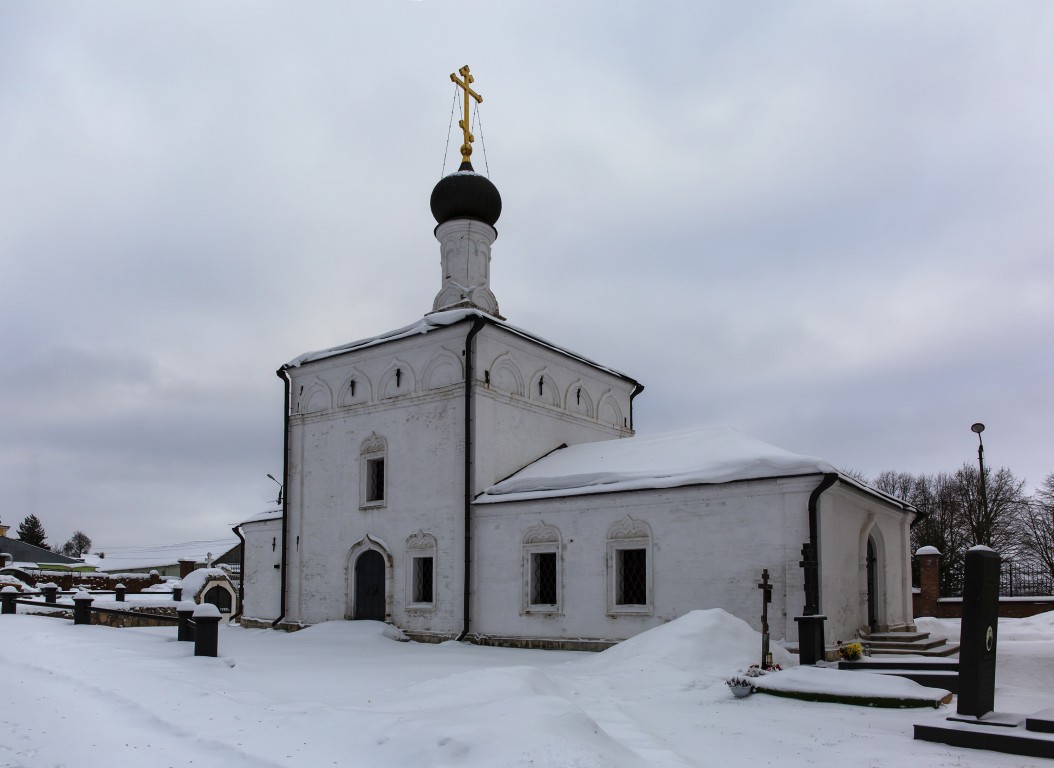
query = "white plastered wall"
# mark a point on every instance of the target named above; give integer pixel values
(848, 516)
(261, 583)
(709, 545)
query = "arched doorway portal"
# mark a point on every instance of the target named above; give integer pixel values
(369, 586)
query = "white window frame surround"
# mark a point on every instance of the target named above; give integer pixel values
(541, 539)
(418, 546)
(373, 448)
(629, 534)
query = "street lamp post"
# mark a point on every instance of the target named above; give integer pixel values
(280, 489)
(979, 428)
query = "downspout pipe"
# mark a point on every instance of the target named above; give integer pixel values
(241, 579)
(811, 647)
(285, 499)
(637, 389)
(811, 551)
(470, 455)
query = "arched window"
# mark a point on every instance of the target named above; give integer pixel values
(373, 474)
(541, 564)
(421, 569)
(629, 567)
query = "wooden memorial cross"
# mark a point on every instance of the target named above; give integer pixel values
(766, 589)
(466, 148)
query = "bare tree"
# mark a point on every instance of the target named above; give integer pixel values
(993, 524)
(940, 522)
(1036, 533)
(78, 544)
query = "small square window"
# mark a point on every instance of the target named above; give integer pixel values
(631, 577)
(422, 591)
(374, 480)
(543, 578)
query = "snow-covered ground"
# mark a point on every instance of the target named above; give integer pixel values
(345, 694)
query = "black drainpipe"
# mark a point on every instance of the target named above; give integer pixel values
(470, 381)
(241, 579)
(285, 486)
(637, 389)
(811, 551)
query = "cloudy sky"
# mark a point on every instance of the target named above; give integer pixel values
(830, 225)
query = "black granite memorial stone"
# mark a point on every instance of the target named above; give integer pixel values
(980, 625)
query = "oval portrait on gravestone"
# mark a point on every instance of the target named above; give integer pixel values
(989, 639)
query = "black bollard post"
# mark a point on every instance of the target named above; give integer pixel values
(120, 590)
(82, 608)
(177, 591)
(51, 592)
(206, 630)
(8, 595)
(184, 611)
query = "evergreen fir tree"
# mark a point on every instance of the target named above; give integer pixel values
(31, 531)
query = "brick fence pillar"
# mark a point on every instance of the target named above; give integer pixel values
(929, 581)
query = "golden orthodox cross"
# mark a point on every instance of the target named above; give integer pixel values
(466, 148)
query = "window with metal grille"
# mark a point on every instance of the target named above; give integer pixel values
(422, 578)
(543, 578)
(374, 480)
(631, 577)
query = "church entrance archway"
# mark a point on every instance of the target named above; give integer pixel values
(369, 586)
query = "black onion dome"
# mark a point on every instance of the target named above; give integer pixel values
(465, 195)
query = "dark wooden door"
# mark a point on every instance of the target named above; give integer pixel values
(369, 586)
(871, 586)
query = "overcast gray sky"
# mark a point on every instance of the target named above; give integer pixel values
(830, 225)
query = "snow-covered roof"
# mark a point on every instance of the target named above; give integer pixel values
(708, 455)
(435, 321)
(196, 579)
(259, 517)
(120, 559)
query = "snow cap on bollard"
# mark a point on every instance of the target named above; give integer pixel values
(82, 595)
(206, 611)
(9, 590)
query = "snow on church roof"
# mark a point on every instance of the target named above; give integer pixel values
(120, 559)
(435, 321)
(701, 456)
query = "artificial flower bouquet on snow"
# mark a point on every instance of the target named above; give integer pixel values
(850, 651)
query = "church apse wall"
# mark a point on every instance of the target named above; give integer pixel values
(848, 520)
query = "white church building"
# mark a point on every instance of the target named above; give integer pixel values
(464, 478)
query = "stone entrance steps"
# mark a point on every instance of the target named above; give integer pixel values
(930, 672)
(903, 643)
